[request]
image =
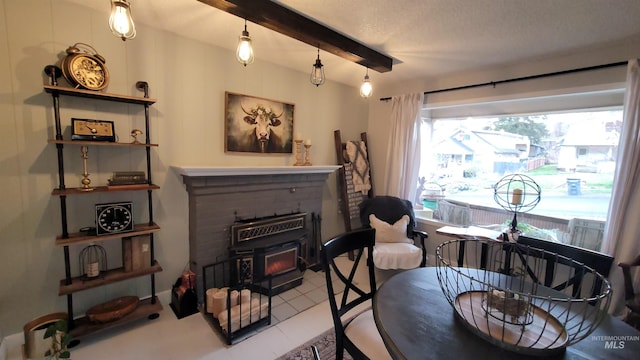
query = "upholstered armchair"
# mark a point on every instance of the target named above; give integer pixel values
(396, 234)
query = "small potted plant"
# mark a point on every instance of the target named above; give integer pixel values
(60, 339)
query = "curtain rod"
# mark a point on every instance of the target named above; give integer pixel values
(531, 77)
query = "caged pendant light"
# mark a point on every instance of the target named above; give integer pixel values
(244, 53)
(317, 72)
(120, 21)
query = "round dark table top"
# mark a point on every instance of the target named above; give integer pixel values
(416, 322)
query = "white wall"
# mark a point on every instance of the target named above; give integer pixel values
(188, 79)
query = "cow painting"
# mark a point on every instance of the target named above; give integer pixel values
(258, 125)
(262, 139)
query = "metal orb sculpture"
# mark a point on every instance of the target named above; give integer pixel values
(516, 193)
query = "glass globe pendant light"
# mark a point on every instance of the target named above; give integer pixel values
(120, 21)
(365, 89)
(244, 53)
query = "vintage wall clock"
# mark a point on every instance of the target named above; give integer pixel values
(113, 218)
(83, 67)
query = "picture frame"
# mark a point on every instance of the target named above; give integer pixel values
(257, 125)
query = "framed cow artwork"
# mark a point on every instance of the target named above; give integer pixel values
(258, 125)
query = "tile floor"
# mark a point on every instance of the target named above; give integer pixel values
(313, 291)
(298, 315)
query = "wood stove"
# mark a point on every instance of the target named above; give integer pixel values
(271, 246)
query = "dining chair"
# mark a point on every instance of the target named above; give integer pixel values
(314, 352)
(552, 264)
(350, 295)
(454, 212)
(396, 234)
(631, 299)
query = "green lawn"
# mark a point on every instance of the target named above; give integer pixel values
(549, 178)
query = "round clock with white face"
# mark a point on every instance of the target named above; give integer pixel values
(113, 218)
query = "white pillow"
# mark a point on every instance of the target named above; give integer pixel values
(386, 233)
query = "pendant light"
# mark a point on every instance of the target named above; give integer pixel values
(244, 53)
(365, 89)
(317, 72)
(120, 21)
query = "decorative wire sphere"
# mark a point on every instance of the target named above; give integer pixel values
(492, 292)
(517, 193)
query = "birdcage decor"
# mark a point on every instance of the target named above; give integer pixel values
(516, 193)
(93, 262)
(494, 292)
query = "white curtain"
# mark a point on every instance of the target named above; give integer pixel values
(403, 148)
(622, 239)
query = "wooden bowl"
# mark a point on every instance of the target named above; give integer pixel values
(113, 309)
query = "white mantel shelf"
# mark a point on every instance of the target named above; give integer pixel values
(204, 171)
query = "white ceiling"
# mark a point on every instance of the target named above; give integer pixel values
(426, 38)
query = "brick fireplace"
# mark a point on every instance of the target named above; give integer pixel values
(226, 200)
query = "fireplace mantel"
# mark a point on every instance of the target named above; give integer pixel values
(206, 171)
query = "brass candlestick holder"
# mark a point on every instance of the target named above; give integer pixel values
(298, 153)
(85, 175)
(307, 155)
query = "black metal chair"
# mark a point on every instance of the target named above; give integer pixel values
(631, 299)
(315, 353)
(389, 252)
(356, 331)
(558, 270)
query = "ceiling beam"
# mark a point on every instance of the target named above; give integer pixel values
(287, 22)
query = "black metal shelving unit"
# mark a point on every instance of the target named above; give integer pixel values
(69, 285)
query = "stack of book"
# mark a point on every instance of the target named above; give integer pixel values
(128, 179)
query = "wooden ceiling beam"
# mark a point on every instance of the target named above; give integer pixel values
(288, 22)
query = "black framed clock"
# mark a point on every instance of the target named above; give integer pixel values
(83, 67)
(113, 218)
(92, 130)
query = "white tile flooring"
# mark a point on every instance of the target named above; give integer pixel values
(193, 338)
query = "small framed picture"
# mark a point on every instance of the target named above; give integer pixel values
(258, 125)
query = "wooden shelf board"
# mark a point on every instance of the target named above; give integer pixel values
(97, 189)
(98, 95)
(109, 277)
(82, 237)
(97, 143)
(83, 326)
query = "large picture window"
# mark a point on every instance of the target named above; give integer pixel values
(570, 154)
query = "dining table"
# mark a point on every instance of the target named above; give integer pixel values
(416, 321)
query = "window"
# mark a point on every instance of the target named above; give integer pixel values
(571, 155)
